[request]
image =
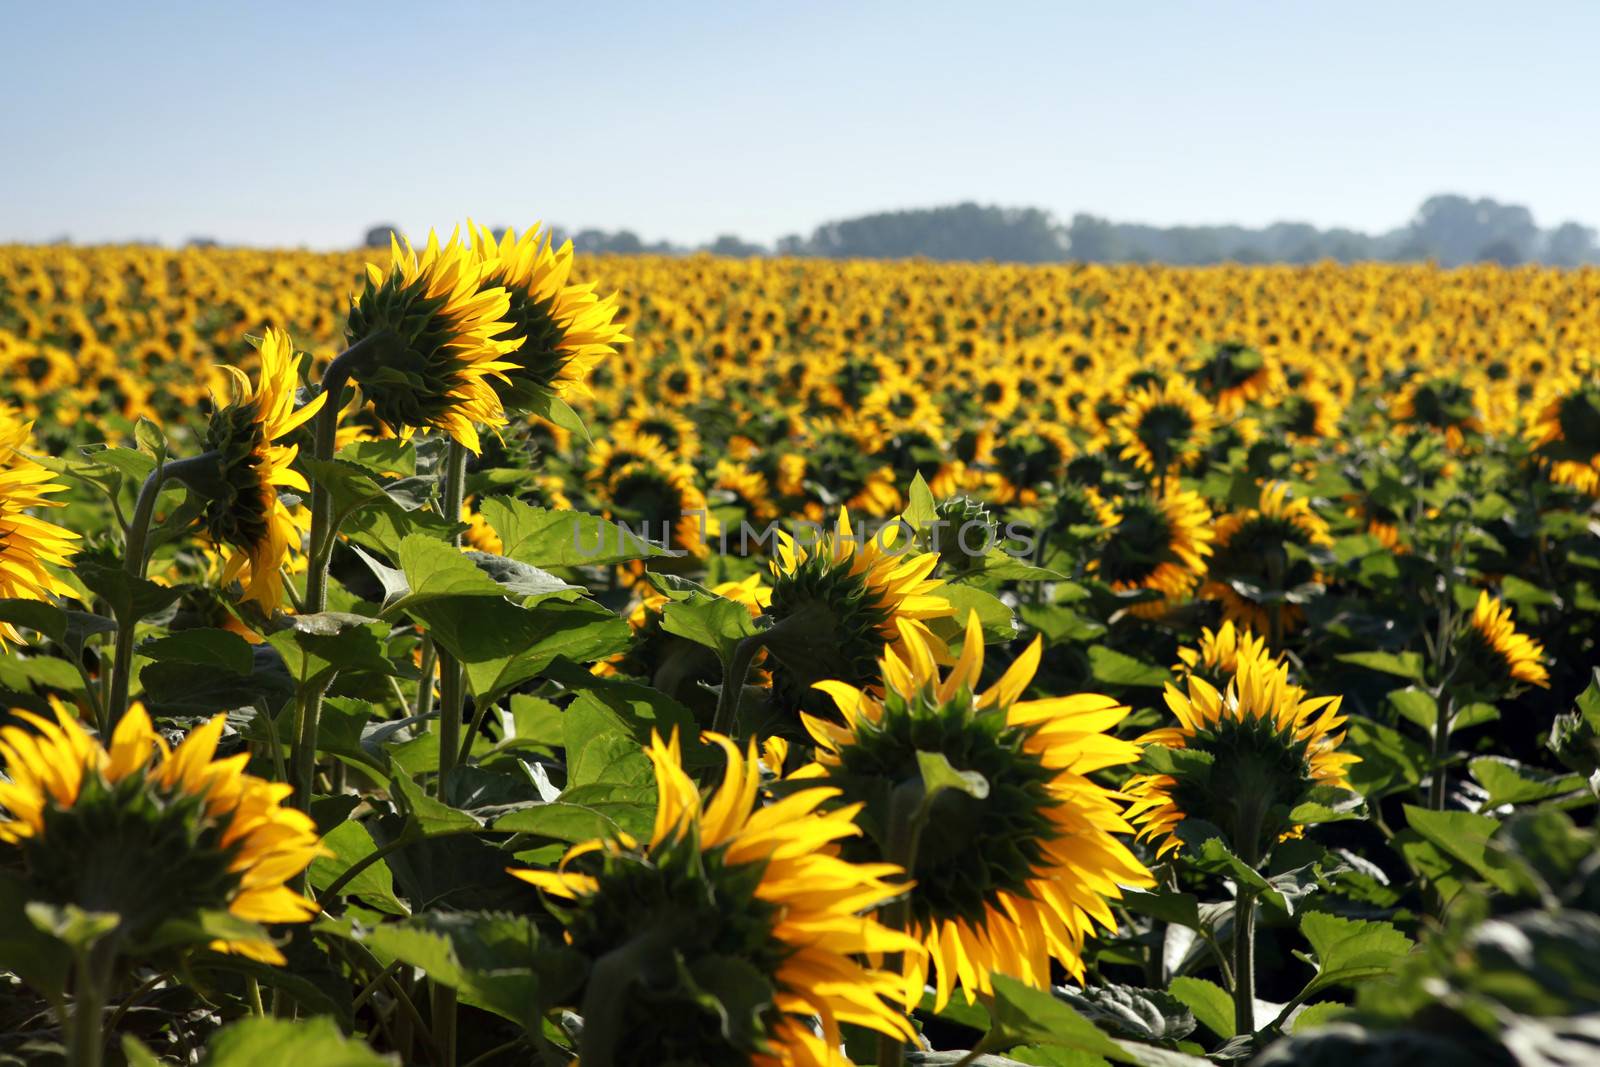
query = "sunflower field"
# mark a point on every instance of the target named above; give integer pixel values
(466, 654)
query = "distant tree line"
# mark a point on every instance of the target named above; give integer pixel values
(1449, 229)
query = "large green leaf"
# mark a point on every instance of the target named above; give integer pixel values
(1211, 1004)
(551, 538)
(270, 1042)
(1348, 951)
(351, 842)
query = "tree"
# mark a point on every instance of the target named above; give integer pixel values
(378, 236)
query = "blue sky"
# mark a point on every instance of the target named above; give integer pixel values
(287, 123)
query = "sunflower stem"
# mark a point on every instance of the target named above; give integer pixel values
(85, 1030)
(428, 669)
(452, 692)
(136, 558)
(735, 670)
(908, 813)
(324, 532)
(1247, 843)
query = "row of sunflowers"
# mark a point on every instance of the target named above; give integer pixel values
(476, 655)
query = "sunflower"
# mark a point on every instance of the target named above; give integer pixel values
(652, 648)
(557, 331)
(1261, 558)
(443, 357)
(150, 832)
(247, 515)
(1566, 431)
(1163, 426)
(1446, 404)
(723, 891)
(1269, 745)
(747, 488)
(1495, 653)
(1159, 543)
(838, 603)
(1219, 652)
(663, 502)
(28, 546)
(1231, 375)
(1005, 882)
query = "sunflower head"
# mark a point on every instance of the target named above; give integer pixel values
(839, 602)
(662, 501)
(148, 832)
(967, 532)
(243, 511)
(1012, 873)
(1157, 543)
(1263, 566)
(437, 325)
(29, 546)
(1163, 426)
(1252, 752)
(557, 330)
(1230, 375)
(731, 928)
(1494, 655)
(1219, 652)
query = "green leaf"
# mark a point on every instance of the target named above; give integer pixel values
(1415, 706)
(1390, 761)
(1510, 782)
(1060, 623)
(36, 956)
(501, 645)
(132, 464)
(1182, 909)
(552, 538)
(606, 728)
(267, 1042)
(430, 815)
(495, 962)
(1027, 1015)
(392, 456)
(1325, 803)
(713, 621)
(350, 842)
(74, 927)
(1207, 851)
(130, 598)
(223, 649)
(1348, 950)
(996, 619)
(1211, 1004)
(1127, 1011)
(1462, 836)
(1111, 667)
(921, 508)
(436, 569)
(938, 775)
(1403, 664)
(39, 615)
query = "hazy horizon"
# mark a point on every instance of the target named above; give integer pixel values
(302, 125)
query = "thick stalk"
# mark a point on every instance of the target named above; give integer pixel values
(452, 698)
(907, 814)
(136, 557)
(1247, 842)
(452, 689)
(1244, 961)
(86, 1039)
(726, 720)
(1438, 788)
(308, 710)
